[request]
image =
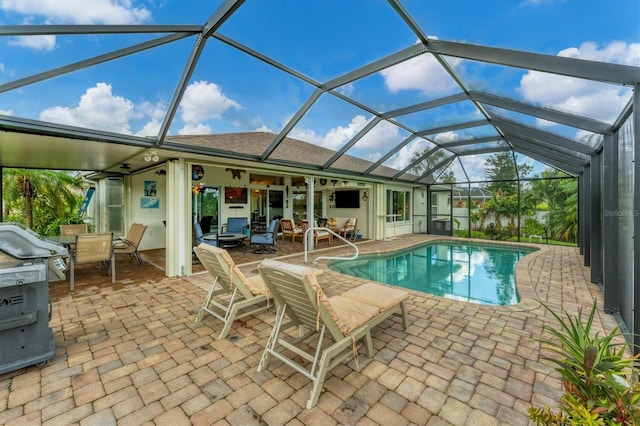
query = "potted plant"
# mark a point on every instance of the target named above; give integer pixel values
(600, 382)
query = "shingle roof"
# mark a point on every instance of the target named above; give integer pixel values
(290, 150)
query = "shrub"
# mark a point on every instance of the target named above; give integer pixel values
(599, 381)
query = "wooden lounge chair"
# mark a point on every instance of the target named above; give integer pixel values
(232, 295)
(318, 234)
(129, 245)
(349, 229)
(335, 324)
(93, 248)
(289, 229)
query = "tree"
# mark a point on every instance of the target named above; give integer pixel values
(500, 172)
(37, 197)
(560, 196)
(427, 163)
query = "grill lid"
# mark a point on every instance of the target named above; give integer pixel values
(22, 243)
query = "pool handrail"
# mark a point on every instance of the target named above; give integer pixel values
(306, 242)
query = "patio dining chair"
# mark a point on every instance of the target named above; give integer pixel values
(129, 245)
(232, 295)
(74, 229)
(93, 248)
(336, 325)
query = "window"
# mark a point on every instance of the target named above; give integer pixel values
(299, 199)
(114, 212)
(398, 205)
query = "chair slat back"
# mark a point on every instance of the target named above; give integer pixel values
(297, 287)
(74, 229)
(286, 225)
(92, 248)
(219, 264)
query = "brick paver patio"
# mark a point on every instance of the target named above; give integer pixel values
(132, 354)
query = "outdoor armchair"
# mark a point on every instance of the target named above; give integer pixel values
(289, 229)
(267, 240)
(349, 229)
(232, 295)
(235, 225)
(335, 325)
(318, 234)
(93, 248)
(129, 245)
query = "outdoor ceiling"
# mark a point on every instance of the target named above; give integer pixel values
(391, 101)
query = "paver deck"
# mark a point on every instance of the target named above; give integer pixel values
(132, 354)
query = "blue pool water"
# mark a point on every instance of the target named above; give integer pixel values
(478, 273)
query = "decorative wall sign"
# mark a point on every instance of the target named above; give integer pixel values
(197, 172)
(149, 202)
(150, 188)
(236, 173)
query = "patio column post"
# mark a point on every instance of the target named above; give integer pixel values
(636, 218)
(595, 229)
(310, 211)
(586, 214)
(610, 284)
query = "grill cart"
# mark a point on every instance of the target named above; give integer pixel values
(25, 310)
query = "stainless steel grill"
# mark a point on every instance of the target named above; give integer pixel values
(25, 309)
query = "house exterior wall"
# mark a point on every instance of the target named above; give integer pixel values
(172, 192)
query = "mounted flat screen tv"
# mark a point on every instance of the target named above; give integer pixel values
(348, 199)
(233, 195)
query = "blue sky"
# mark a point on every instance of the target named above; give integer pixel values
(322, 39)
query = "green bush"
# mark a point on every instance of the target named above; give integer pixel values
(600, 383)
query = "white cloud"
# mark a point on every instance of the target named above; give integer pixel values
(98, 109)
(338, 136)
(347, 89)
(593, 99)
(80, 11)
(406, 154)
(383, 135)
(423, 73)
(335, 137)
(194, 129)
(6, 112)
(36, 42)
(445, 137)
(263, 128)
(203, 100)
(151, 128)
(617, 52)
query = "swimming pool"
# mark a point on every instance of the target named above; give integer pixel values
(478, 273)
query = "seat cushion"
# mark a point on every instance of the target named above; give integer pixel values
(256, 285)
(351, 313)
(380, 296)
(261, 239)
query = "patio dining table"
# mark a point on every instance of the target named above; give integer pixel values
(69, 240)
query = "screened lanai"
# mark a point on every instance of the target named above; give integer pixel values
(408, 92)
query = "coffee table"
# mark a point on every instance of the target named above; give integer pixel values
(227, 240)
